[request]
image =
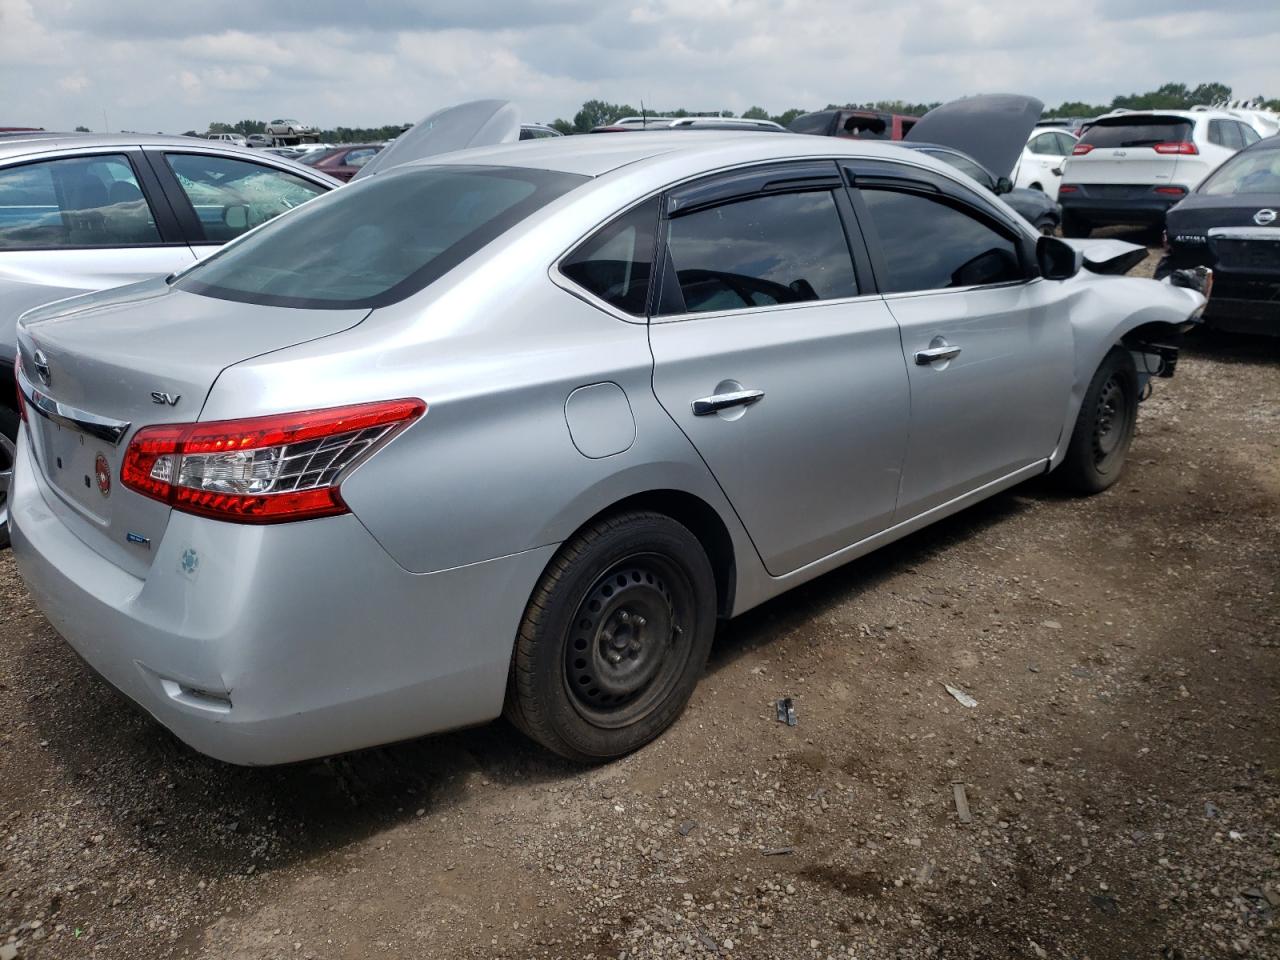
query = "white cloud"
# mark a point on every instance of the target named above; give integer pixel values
(177, 67)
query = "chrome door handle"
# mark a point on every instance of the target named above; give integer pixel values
(934, 354)
(723, 401)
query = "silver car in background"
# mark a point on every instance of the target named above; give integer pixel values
(508, 431)
(87, 212)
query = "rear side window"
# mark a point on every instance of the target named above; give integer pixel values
(616, 261)
(231, 196)
(761, 251)
(931, 245)
(1225, 133)
(1144, 132)
(77, 202)
(378, 240)
(1248, 135)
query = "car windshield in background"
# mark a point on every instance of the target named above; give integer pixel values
(1144, 132)
(378, 241)
(1255, 172)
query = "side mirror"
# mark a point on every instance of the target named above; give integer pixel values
(1004, 185)
(236, 216)
(1058, 260)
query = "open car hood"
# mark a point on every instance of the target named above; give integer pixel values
(476, 123)
(1109, 256)
(992, 128)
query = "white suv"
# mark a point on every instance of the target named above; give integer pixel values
(1132, 166)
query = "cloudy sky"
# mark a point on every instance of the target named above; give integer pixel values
(173, 65)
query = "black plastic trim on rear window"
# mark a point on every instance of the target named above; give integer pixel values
(386, 237)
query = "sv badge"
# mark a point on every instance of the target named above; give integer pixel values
(165, 398)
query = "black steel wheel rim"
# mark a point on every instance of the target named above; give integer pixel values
(629, 640)
(1111, 421)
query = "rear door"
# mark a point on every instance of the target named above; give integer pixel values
(988, 346)
(217, 197)
(778, 361)
(81, 221)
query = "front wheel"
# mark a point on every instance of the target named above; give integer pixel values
(614, 638)
(1047, 226)
(1104, 427)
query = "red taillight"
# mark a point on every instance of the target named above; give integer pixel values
(1176, 146)
(262, 470)
(17, 385)
(1068, 188)
(1172, 191)
(1080, 149)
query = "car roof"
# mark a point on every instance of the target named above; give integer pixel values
(1184, 114)
(596, 156)
(21, 144)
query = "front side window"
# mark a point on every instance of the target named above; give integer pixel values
(761, 251)
(929, 244)
(615, 262)
(378, 240)
(965, 166)
(231, 196)
(1046, 144)
(76, 202)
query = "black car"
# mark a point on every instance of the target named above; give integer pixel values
(1231, 223)
(1034, 206)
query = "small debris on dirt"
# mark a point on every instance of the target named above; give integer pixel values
(786, 711)
(778, 851)
(962, 698)
(962, 802)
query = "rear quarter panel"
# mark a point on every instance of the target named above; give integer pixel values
(491, 469)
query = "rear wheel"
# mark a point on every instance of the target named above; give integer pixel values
(8, 433)
(1104, 427)
(614, 638)
(1073, 225)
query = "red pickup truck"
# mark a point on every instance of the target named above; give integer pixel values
(860, 124)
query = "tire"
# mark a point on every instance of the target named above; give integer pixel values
(8, 434)
(1075, 226)
(1104, 427)
(1047, 226)
(585, 681)
(1036, 186)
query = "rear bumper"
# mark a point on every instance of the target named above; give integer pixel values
(276, 644)
(1244, 305)
(1103, 204)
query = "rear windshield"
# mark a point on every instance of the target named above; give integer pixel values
(1144, 131)
(1251, 172)
(376, 241)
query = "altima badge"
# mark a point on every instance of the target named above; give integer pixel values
(1262, 218)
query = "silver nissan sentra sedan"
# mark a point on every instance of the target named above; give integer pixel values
(508, 431)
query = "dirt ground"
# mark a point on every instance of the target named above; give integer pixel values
(1121, 766)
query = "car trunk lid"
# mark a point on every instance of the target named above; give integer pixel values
(98, 368)
(1122, 151)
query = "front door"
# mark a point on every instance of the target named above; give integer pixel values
(987, 344)
(784, 373)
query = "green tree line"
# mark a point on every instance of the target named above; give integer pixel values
(595, 113)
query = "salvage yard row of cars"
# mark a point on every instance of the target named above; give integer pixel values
(555, 407)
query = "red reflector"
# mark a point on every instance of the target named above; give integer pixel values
(1176, 146)
(1068, 188)
(265, 469)
(1172, 191)
(22, 401)
(1080, 149)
